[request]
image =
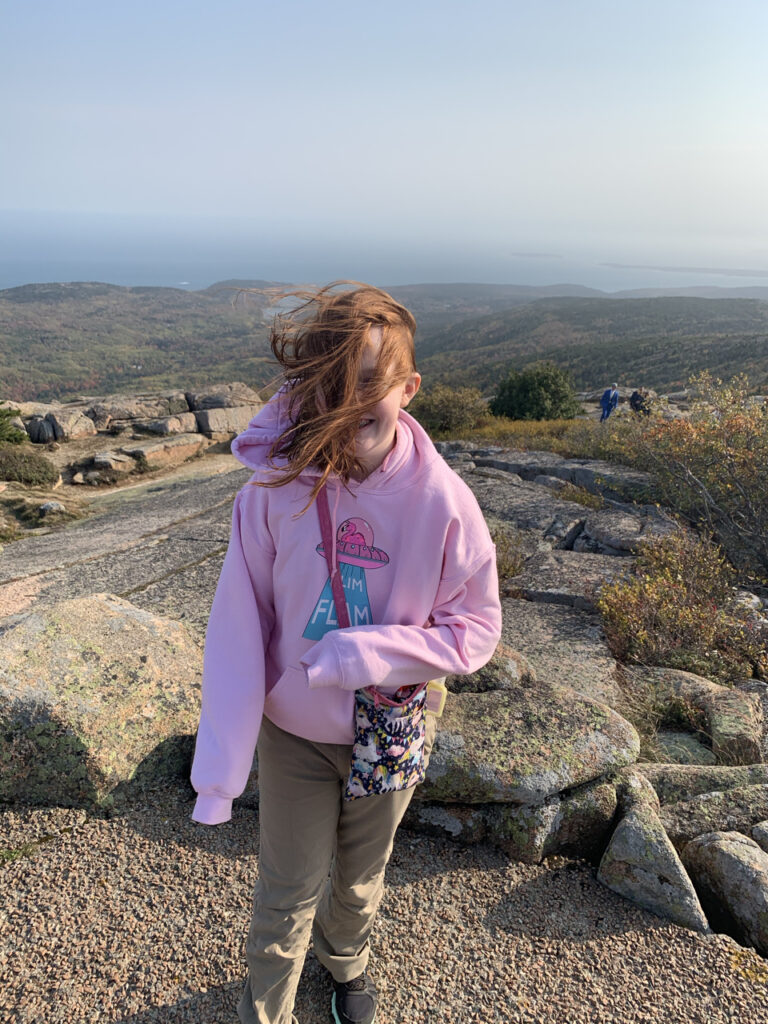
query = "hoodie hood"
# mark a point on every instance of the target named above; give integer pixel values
(252, 446)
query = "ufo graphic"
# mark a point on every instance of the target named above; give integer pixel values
(355, 552)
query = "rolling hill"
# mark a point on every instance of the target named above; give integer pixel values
(62, 340)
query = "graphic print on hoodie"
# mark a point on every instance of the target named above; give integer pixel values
(355, 553)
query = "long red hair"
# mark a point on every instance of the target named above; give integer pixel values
(320, 346)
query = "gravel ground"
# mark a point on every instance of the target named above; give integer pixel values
(141, 918)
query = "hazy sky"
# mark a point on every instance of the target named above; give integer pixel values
(632, 130)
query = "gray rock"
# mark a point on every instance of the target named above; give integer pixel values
(126, 408)
(641, 864)
(51, 508)
(223, 396)
(228, 421)
(684, 748)
(508, 669)
(734, 810)
(731, 873)
(70, 423)
(523, 745)
(760, 835)
(163, 454)
(565, 577)
(676, 782)
(733, 718)
(565, 647)
(92, 691)
(577, 822)
(528, 507)
(115, 462)
(633, 791)
(625, 531)
(182, 423)
(40, 430)
(555, 483)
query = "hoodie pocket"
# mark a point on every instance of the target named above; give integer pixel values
(292, 678)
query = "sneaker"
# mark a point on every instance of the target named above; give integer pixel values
(354, 1002)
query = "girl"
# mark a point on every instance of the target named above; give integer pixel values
(419, 575)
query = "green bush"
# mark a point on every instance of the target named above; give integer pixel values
(26, 467)
(677, 610)
(539, 392)
(9, 434)
(445, 410)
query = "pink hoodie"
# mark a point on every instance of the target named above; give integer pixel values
(419, 573)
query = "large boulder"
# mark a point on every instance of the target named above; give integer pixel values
(93, 690)
(225, 423)
(642, 865)
(165, 454)
(69, 424)
(577, 822)
(681, 782)
(523, 745)
(223, 396)
(731, 875)
(733, 718)
(734, 810)
(622, 531)
(124, 409)
(40, 430)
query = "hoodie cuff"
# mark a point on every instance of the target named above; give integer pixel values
(324, 669)
(212, 810)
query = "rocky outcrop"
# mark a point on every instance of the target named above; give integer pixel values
(674, 783)
(92, 691)
(565, 577)
(641, 864)
(733, 718)
(524, 744)
(223, 396)
(218, 423)
(730, 871)
(219, 412)
(164, 454)
(736, 810)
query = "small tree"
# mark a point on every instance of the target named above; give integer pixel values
(9, 433)
(539, 392)
(446, 410)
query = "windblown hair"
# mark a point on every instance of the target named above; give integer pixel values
(320, 346)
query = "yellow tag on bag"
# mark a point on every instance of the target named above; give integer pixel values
(436, 695)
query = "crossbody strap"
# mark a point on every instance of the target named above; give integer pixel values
(329, 541)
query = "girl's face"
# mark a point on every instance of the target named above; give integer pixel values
(376, 433)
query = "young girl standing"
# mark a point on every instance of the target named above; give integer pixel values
(419, 578)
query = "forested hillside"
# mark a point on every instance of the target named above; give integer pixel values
(61, 340)
(658, 342)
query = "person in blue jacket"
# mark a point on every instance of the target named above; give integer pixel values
(609, 401)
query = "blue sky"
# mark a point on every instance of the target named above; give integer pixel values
(632, 131)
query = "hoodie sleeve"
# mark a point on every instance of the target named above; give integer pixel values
(460, 637)
(241, 621)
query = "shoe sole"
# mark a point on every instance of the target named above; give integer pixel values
(336, 1016)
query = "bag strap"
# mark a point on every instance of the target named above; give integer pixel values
(329, 541)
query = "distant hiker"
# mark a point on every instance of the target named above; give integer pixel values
(609, 401)
(639, 402)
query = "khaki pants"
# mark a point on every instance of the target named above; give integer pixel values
(309, 831)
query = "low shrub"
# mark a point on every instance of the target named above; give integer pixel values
(539, 392)
(26, 467)
(510, 556)
(677, 610)
(443, 410)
